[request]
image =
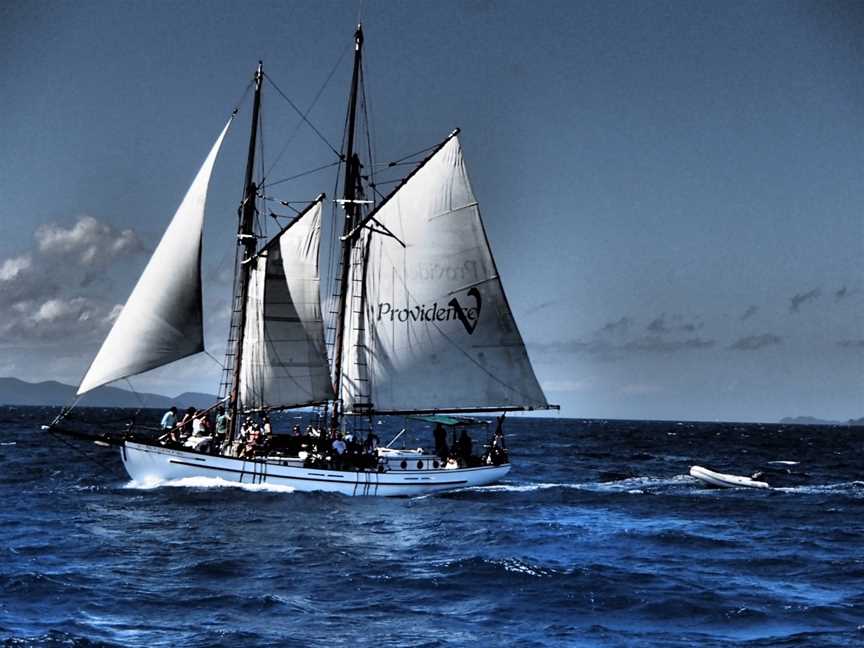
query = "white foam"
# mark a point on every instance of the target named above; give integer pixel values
(521, 488)
(207, 482)
(843, 488)
(785, 463)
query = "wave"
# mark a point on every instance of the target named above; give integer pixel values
(855, 488)
(632, 485)
(207, 482)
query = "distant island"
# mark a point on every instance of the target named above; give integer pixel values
(52, 393)
(809, 420)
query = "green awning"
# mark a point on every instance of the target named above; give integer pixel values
(444, 419)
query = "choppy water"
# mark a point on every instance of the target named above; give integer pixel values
(597, 537)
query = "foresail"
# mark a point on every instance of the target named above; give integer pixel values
(162, 319)
(284, 361)
(438, 332)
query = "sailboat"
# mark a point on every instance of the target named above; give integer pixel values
(422, 329)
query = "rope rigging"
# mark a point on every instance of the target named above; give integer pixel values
(302, 115)
(309, 109)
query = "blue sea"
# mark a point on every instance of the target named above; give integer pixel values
(598, 537)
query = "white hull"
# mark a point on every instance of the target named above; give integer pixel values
(722, 480)
(148, 463)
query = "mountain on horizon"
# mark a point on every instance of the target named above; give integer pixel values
(809, 420)
(19, 392)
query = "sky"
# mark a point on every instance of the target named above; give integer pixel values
(673, 191)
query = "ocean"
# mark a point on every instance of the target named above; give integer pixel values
(598, 537)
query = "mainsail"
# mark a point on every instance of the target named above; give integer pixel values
(162, 319)
(284, 359)
(435, 331)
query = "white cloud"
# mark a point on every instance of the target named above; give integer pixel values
(13, 267)
(91, 242)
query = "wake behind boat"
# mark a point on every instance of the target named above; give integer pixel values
(420, 325)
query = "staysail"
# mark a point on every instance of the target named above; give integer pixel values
(284, 360)
(162, 319)
(436, 331)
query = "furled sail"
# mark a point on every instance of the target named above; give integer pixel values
(162, 319)
(436, 332)
(284, 361)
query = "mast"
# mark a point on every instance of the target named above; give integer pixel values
(246, 239)
(352, 175)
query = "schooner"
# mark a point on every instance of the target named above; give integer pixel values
(422, 328)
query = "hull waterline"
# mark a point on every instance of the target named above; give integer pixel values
(148, 463)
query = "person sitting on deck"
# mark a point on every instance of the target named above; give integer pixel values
(201, 424)
(253, 441)
(186, 424)
(266, 432)
(338, 445)
(200, 439)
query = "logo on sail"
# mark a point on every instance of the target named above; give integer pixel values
(470, 323)
(468, 315)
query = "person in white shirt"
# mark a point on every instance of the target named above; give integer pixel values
(339, 445)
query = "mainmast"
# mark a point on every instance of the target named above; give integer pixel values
(246, 239)
(352, 177)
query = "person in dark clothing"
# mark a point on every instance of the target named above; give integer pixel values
(498, 451)
(464, 447)
(440, 435)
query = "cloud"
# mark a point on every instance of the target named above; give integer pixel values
(616, 327)
(675, 324)
(799, 299)
(658, 344)
(756, 342)
(62, 319)
(750, 312)
(658, 326)
(851, 344)
(48, 292)
(614, 339)
(90, 242)
(13, 267)
(607, 350)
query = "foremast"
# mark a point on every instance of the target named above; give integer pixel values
(352, 178)
(247, 243)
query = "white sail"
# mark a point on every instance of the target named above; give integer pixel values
(284, 359)
(355, 350)
(438, 332)
(162, 319)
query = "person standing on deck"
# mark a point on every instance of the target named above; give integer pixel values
(221, 424)
(169, 419)
(440, 435)
(168, 425)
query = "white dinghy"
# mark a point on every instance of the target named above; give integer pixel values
(419, 325)
(721, 480)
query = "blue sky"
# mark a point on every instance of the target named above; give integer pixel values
(673, 191)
